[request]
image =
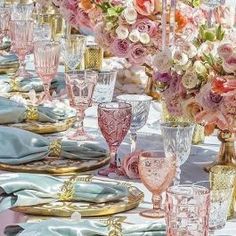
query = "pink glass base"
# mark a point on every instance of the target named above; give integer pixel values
(153, 213)
(80, 136)
(112, 169)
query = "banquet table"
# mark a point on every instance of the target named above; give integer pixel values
(148, 139)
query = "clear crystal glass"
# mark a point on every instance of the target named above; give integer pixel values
(4, 22)
(140, 110)
(42, 32)
(177, 139)
(187, 210)
(156, 172)
(22, 11)
(105, 86)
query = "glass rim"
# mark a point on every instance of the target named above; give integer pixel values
(47, 41)
(203, 190)
(211, 188)
(232, 170)
(29, 20)
(66, 37)
(153, 151)
(135, 97)
(188, 125)
(107, 71)
(102, 105)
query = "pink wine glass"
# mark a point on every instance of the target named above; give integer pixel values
(4, 22)
(80, 88)
(46, 60)
(114, 119)
(21, 33)
(156, 171)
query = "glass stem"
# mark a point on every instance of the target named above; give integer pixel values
(133, 139)
(80, 122)
(46, 87)
(156, 201)
(178, 172)
(114, 158)
(22, 62)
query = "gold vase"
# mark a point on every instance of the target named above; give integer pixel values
(93, 57)
(227, 154)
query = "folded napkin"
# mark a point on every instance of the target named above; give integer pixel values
(23, 189)
(15, 112)
(57, 227)
(10, 85)
(18, 146)
(8, 59)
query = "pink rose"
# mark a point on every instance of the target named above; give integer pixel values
(137, 54)
(120, 48)
(145, 25)
(130, 165)
(229, 64)
(225, 50)
(144, 7)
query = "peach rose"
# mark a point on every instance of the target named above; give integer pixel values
(192, 108)
(144, 7)
(130, 165)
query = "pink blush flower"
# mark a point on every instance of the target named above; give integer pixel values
(120, 48)
(137, 54)
(229, 64)
(144, 25)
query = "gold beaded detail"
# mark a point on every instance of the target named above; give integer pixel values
(32, 113)
(55, 148)
(115, 225)
(14, 85)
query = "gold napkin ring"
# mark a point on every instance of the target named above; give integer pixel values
(115, 225)
(55, 148)
(14, 85)
(31, 113)
(67, 190)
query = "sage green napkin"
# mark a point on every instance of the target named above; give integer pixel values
(18, 146)
(23, 189)
(8, 59)
(14, 112)
(57, 227)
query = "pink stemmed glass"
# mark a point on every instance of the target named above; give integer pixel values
(4, 22)
(80, 88)
(114, 119)
(46, 60)
(21, 33)
(156, 171)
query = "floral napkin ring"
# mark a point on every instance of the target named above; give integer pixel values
(55, 148)
(31, 113)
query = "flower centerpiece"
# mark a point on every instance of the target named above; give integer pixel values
(198, 81)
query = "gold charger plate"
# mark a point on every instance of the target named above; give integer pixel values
(66, 209)
(46, 128)
(58, 166)
(9, 68)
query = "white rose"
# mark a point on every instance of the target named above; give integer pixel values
(180, 58)
(162, 61)
(199, 68)
(109, 26)
(144, 38)
(130, 15)
(190, 50)
(122, 32)
(134, 36)
(187, 65)
(190, 79)
(208, 47)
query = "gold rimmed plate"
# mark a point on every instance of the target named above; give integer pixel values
(58, 166)
(66, 209)
(46, 128)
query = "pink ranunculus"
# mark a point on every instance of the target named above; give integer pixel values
(229, 64)
(130, 165)
(120, 48)
(144, 7)
(225, 50)
(145, 25)
(137, 54)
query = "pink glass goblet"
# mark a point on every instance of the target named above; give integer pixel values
(46, 60)
(4, 22)
(21, 33)
(114, 119)
(156, 171)
(80, 88)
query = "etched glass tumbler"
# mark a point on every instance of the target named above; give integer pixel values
(105, 86)
(21, 33)
(46, 60)
(22, 11)
(80, 94)
(114, 119)
(187, 210)
(140, 110)
(156, 172)
(4, 22)
(177, 139)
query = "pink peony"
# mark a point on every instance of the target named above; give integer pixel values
(144, 7)
(130, 165)
(229, 64)
(120, 48)
(145, 25)
(137, 54)
(225, 50)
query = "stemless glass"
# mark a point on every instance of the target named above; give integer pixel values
(21, 33)
(46, 60)
(156, 171)
(114, 119)
(105, 86)
(177, 138)
(22, 11)
(4, 22)
(187, 210)
(80, 94)
(140, 110)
